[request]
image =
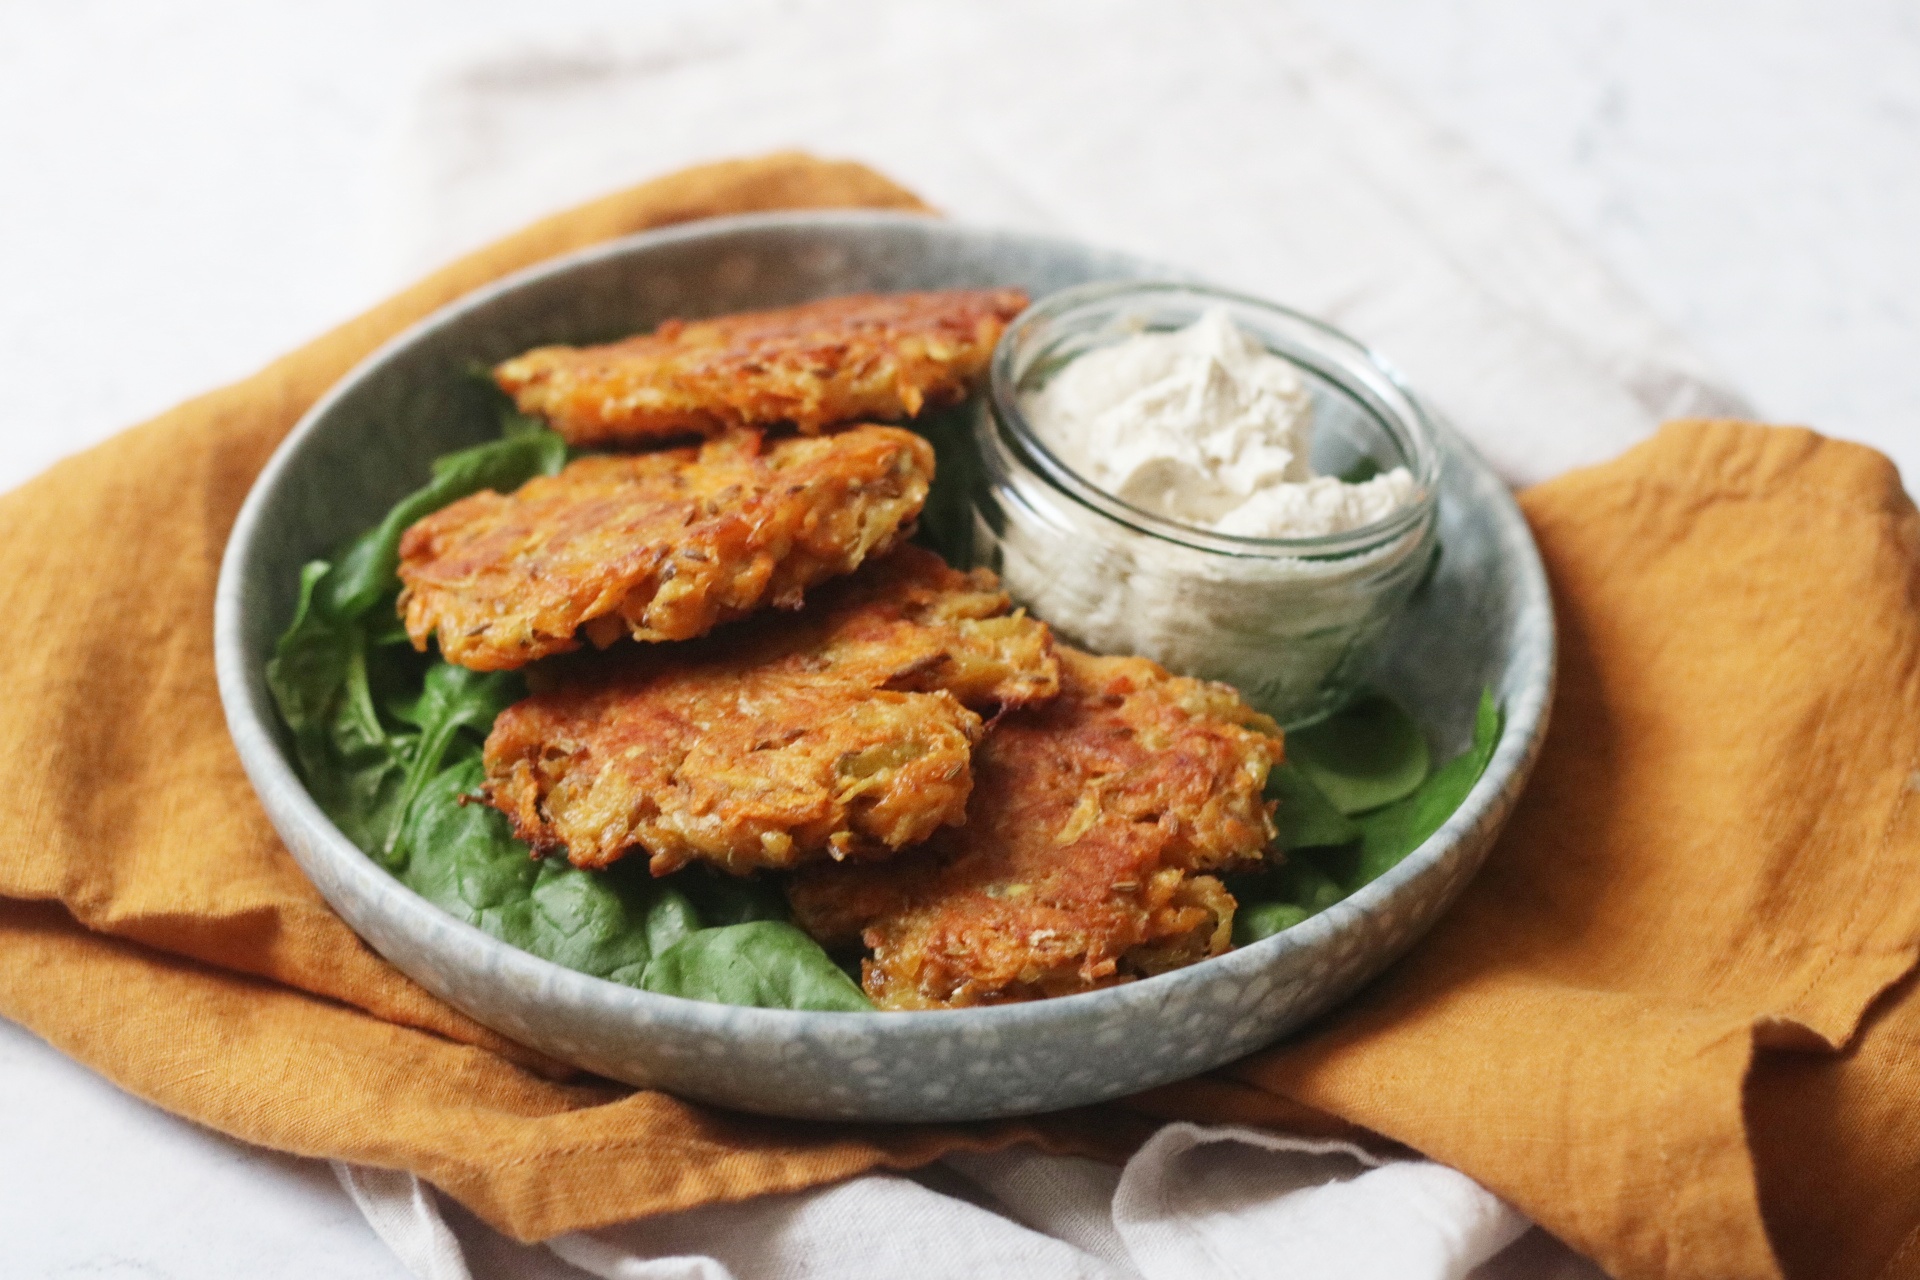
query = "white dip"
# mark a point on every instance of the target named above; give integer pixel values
(1205, 427)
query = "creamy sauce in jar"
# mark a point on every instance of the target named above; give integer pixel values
(1204, 426)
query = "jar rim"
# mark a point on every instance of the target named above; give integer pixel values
(1356, 369)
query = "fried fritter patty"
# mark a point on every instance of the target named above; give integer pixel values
(838, 360)
(1081, 863)
(662, 546)
(844, 731)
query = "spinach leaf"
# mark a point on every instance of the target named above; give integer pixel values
(1368, 754)
(400, 786)
(463, 858)
(515, 425)
(310, 660)
(1306, 818)
(318, 675)
(1320, 871)
(722, 899)
(619, 924)
(1361, 471)
(764, 963)
(1300, 885)
(332, 659)
(1258, 920)
(1392, 833)
(946, 522)
(451, 699)
(367, 568)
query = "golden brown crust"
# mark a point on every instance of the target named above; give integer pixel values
(844, 731)
(660, 546)
(866, 356)
(1093, 820)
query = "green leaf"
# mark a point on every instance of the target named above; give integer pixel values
(1299, 884)
(367, 569)
(1315, 876)
(946, 522)
(319, 679)
(1306, 818)
(606, 923)
(1264, 919)
(515, 425)
(451, 699)
(1360, 472)
(463, 858)
(764, 963)
(722, 899)
(406, 794)
(310, 659)
(1396, 831)
(1368, 754)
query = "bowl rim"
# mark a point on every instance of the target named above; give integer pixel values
(248, 712)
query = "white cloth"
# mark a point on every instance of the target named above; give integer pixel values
(1193, 1202)
(1229, 138)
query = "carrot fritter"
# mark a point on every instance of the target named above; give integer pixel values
(662, 546)
(844, 731)
(837, 360)
(1082, 861)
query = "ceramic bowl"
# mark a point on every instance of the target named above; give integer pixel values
(1483, 621)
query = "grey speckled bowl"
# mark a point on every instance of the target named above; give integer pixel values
(1484, 621)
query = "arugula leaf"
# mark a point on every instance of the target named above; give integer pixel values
(1306, 818)
(319, 679)
(1368, 754)
(451, 699)
(367, 569)
(463, 858)
(1392, 833)
(766, 964)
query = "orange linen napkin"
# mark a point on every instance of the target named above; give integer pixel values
(1651, 1023)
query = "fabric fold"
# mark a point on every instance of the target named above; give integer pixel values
(1718, 847)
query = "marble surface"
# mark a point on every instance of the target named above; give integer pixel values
(96, 1183)
(196, 187)
(1749, 167)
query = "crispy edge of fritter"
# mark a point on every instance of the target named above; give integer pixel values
(660, 546)
(677, 722)
(1075, 870)
(814, 365)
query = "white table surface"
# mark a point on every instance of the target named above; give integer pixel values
(197, 187)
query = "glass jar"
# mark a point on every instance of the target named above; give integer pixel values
(1295, 623)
